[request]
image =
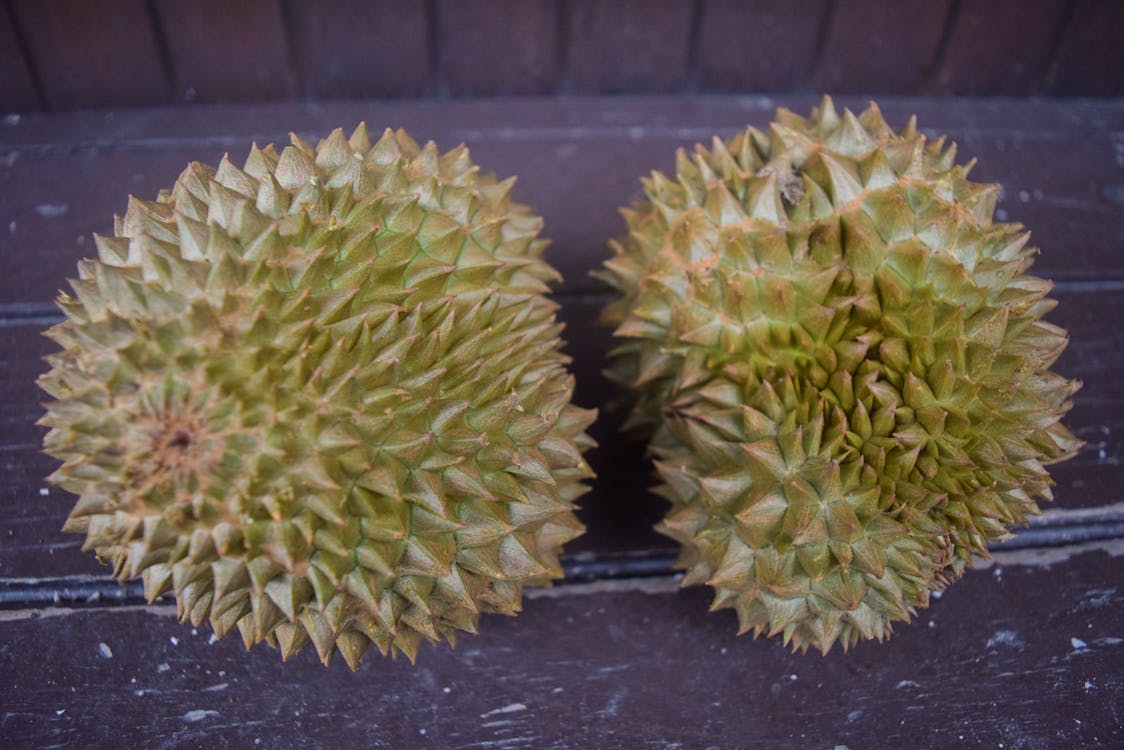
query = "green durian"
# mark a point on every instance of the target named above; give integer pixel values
(321, 397)
(842, 367)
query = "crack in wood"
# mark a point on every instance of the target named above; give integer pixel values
(651, 571)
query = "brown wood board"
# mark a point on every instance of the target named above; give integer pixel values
(1024, 656)
(93, 54)
(879, 47)
(1090, 56)
(498, 47)
(227, 51)
(1060, 165)
(351, 49)
(71, 54)
(628, 46)
(18, 92)
(760, 46)
(1000, 46)
(522, 117)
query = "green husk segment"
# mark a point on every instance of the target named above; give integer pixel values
(842, 367)
(321, 397)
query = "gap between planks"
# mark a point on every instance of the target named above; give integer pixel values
(1053, 537)
(662, 585)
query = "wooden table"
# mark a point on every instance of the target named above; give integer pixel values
(1026, 652)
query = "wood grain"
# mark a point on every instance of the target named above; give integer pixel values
(578, 160)
(18, 92)
(1091, 53)
(93, 54)
(356, 49)
(1019, 656)
(1026, 653)
(498, 47)
(628, 46)
(587, 117)
(227, 51)
(83, 54)
(759, 46)
(1000, 47)
(881, 48)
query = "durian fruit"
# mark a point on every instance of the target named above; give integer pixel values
(321, 397)
(842, 366)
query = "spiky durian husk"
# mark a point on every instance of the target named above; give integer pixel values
(321, 397)
(843, 368)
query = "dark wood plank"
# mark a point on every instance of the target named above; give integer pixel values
(17, 88)
(584, 117)
(1000, 47)
(1091, 54)
(628, 46)
(630, 665)
(92, 54)
(619, 512)
(881, 48)
(759, 46)
(498, 47)
(223, 51)
(61, 183)
(354, 49)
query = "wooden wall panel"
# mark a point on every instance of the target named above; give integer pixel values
(1000, 46)
(628, 46)
(227, 51)
(881, 47)
(758, 46)
(17, 88)
(93, 54)
(351, 49)
(1090, 58)
(497, 47)
(72, 54)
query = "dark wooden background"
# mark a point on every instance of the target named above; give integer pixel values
(59, 55)
(579, 99)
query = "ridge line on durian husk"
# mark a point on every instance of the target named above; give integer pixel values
(322, 397)
(842, 369)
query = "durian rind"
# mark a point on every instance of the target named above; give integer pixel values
(842, 367)
(321, 397)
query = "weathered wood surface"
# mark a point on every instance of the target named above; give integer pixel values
(1019, 656)
(141, 53)
(64, 177)
(889, 47)
(221, 51)
(1090, 44)
(86, 57)
(480, 57)
(628, 46)
(20, 92)
(350, 49)
(761, 46)
(980, 61)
